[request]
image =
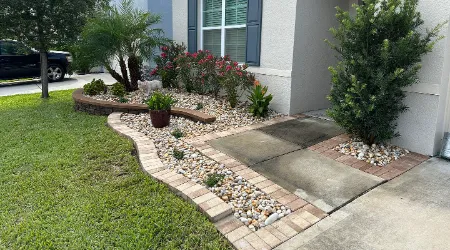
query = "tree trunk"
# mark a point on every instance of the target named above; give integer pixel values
(135, 74)
(124, 71)
(44, 74)
(114, 74)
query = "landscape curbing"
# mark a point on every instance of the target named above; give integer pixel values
(100, 107)
(388, 172)
(303, 215)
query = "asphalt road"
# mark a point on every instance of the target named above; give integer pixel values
(73, 82)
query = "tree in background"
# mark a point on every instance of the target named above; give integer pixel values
(380, 51)
(121, 34)
(45, 24)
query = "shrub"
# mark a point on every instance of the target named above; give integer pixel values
(260, 102)
(159, 101)
(199, 106)
(213, 179)
(233, 78)
(123, 100)
(178, 154)
(177, 133)
(380, 51)
(166, 64)
(118, 89)
(95, 87)
(198, 72)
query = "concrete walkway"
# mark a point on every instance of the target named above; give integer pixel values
(410, 212)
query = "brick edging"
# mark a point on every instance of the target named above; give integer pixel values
(100, 107)
(388, 172)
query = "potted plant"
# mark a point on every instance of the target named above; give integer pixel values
(159, 105)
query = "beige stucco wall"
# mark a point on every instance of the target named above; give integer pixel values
(179, 20)
(311, 80)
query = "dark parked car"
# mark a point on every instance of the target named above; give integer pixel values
(19, 61)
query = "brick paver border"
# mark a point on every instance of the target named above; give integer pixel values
(303, 215)
(388, 172)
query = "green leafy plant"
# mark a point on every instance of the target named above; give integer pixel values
(380, 51)
(95, 87)
(118, 89)
(213, 179)
(123, 100)
(166, 64)
(199, 106)
(178, 154)
(160, 101)
(177, 133)
(260, 102)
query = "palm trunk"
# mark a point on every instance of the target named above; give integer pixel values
(135, 74)
(114, 74)
(124, 71)
(44, 74)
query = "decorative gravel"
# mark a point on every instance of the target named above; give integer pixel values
(377, 154)
(252, 206)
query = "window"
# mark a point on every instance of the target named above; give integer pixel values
(224, 27)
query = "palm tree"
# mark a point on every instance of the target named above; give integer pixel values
(121, 34)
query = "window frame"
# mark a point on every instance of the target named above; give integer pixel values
(222, 27)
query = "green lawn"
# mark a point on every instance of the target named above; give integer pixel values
(67, 181)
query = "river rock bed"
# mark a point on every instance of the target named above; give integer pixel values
(376, 154)
(250, 205)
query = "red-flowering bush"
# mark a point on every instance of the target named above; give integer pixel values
(204, 73)
(197, 72)
(234, 78)
(166, 65)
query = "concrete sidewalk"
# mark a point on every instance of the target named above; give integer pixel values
(409, 212)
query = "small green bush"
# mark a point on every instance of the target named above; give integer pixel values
(177, 133)
(118, 89)
(159, 101)
(380, 50)
(178, 154)
(199, 106)
(95, 87)
(260, 102)
(213, 179)
(123, 100)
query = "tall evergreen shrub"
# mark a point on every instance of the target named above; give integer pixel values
(380, 51)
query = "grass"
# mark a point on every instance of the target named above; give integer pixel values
(69, 182)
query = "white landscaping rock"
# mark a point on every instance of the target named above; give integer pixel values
(271, 219)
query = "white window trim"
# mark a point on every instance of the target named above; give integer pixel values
(223, 27)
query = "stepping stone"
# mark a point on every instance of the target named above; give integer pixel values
(304, 132)
(254, 146)
(321, 181)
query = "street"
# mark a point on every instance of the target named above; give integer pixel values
(73, 82)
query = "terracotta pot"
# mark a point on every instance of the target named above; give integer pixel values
(160, 118)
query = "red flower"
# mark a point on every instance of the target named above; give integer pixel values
(164, 48)
(210, 57)
(229, 67)
(188, 54)
(154, 71)
(163, 55)
(195, 55)
(235, 64)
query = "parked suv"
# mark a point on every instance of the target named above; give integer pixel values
(20, 61)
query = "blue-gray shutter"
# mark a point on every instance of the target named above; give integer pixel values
(254, 18)
(192, 26)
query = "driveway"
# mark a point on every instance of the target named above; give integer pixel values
(410, 212)
(76, 81)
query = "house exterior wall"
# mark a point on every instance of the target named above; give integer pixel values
(311, 80)
(422, 127)
(277, 51)
(164, 9)
(179, 20)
